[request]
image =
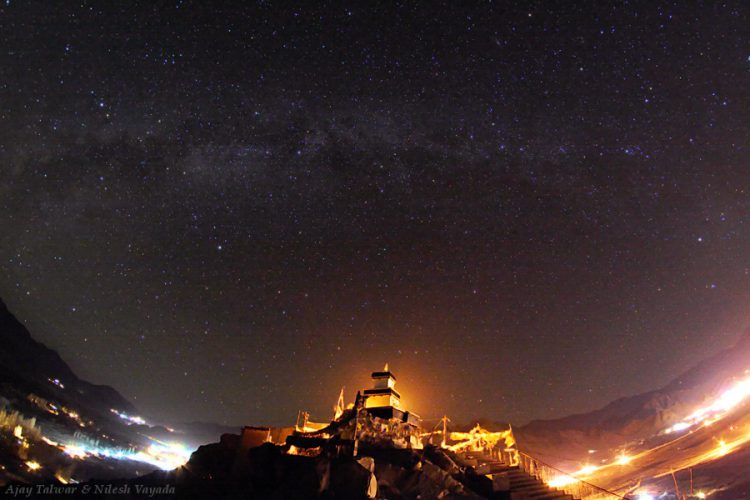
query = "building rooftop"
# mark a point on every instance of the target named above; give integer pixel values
(384, 373)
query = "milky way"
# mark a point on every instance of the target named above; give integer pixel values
(229, 213)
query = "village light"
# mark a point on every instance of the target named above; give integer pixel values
(33, 465)
(561, 481)
(587, 469)
(717, 409)
(723, 448)
(75, 451)
(623, 459)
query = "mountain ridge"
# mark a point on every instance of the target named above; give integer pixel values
(31, 365)
(631, 418)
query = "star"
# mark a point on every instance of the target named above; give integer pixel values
(345, 186)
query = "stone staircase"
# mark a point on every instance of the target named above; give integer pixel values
(512, 483)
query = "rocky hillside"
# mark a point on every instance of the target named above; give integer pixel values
(640, 416)
(713, 451)
(29, 366)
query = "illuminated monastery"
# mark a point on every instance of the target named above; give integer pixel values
(383, 401)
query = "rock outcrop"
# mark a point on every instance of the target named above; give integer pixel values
(270, 472)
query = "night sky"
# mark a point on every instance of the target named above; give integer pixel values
(228, 213)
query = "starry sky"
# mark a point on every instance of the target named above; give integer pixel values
(228, 213)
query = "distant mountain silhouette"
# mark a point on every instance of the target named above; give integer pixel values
(633, 416)
(206, 432)
(28, 366)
